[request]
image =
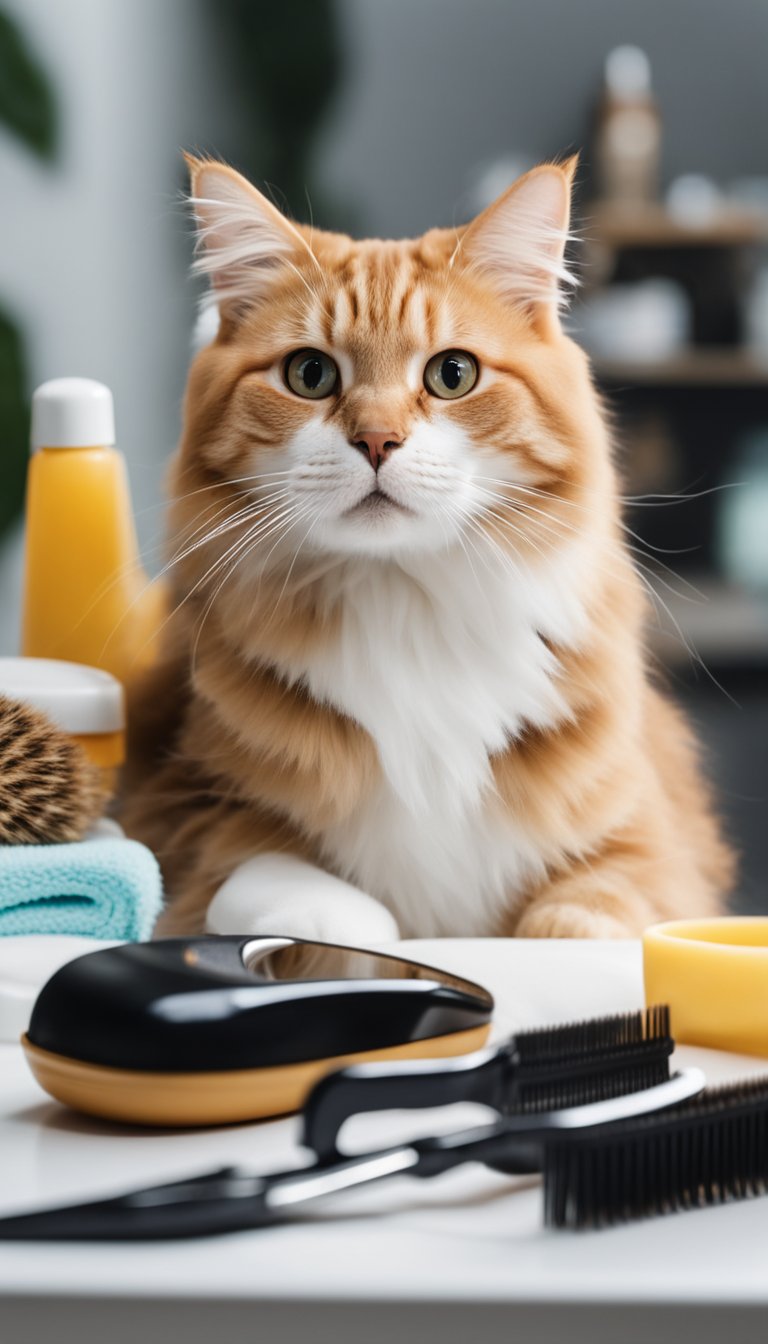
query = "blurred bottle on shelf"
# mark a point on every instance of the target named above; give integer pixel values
(628, 131)
(743, 516)
(647, 321)
(694, 200)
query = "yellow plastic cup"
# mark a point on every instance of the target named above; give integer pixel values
(713, 973)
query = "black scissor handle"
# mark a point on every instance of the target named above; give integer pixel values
(412, 1085)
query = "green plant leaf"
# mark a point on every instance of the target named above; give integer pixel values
(14, 422)
(26, 98)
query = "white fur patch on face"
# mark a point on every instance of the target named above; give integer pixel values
(425, 486)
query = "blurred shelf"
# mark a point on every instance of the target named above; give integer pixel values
(653, 226)
(723, 625)
(717, 366)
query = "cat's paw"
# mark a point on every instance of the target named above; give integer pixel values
(279, 895)
(561, 920)
(359, 926)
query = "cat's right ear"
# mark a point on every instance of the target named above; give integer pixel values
(243, 241)
(518, 242)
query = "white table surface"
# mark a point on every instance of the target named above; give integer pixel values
(459, 1257)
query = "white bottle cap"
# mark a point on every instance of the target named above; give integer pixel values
(628, 73)
(72, 413)
(77, 698)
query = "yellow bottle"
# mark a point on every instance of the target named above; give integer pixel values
(86, 597)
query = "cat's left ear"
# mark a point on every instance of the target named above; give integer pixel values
(519, 241)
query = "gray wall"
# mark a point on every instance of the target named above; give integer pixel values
(433, 86)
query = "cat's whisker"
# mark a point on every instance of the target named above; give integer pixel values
(207, 531)
(212, 485)
(213, 510)
(233, 525)
(203, 519)
(647, 546)
(693, 653)
(313, 522)
(236, 553)
(465, 540)
(651, 500)
(250, 510)
(553, 522)
(249, 543)
(208, 574)
(162, 573)
(508, 560)
(457, 513)
(657, 600)
(303, 511)
(518, 531)
(547, 495)
(611, 572)
(695, 595)
(667, 501)
(536, 518)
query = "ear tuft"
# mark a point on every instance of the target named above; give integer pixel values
(243, 241)
(519, 241)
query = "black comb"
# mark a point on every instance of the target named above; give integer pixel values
(711, 1149)
(533, 1071)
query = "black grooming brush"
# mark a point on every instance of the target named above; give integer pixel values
(711, 1149)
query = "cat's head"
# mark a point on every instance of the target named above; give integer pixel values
(382, 398)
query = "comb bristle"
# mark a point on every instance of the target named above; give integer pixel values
(710, 1150)
(584, 1062)
(593, 1036)
(612, 1077)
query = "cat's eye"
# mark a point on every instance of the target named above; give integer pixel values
(310, 373)
(450, 374)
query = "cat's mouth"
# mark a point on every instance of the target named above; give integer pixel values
(376, 504)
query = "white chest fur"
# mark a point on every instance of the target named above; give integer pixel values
(443, 664)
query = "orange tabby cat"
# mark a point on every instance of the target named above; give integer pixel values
(404, 686)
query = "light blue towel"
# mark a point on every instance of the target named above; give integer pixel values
(100, 888)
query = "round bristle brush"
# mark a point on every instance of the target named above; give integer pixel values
(49, 790)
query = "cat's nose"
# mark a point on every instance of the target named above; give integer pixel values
(377, 444)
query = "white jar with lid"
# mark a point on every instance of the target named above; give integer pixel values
(85, 702)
